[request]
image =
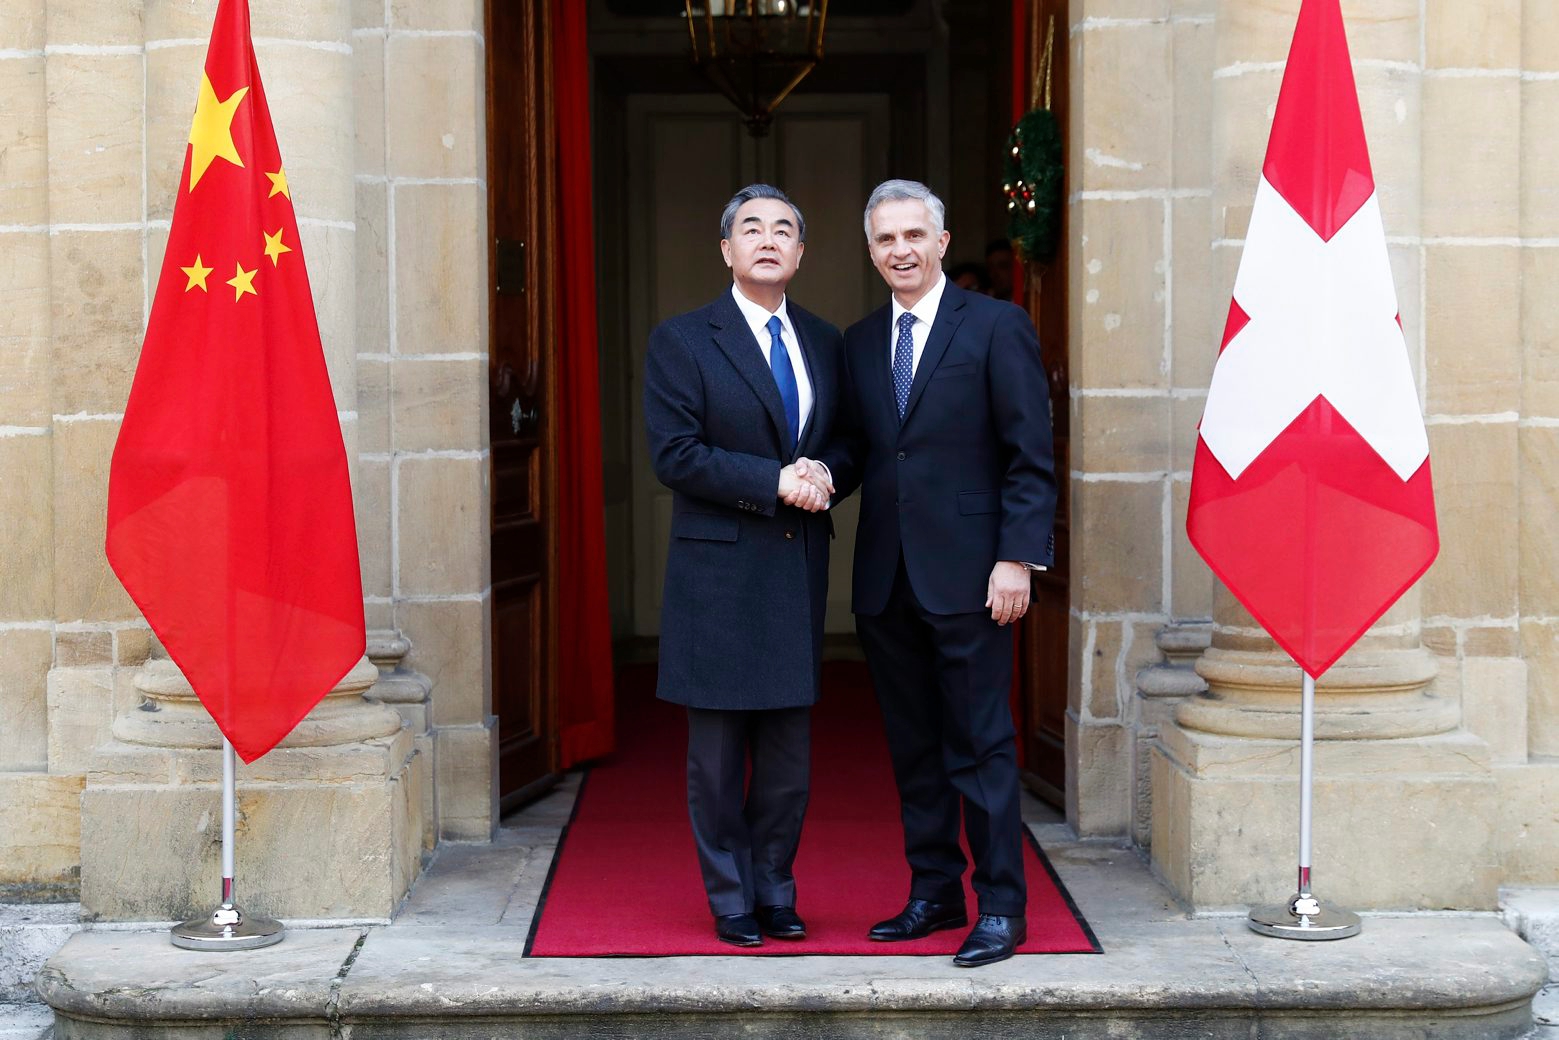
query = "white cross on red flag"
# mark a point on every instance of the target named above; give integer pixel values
(1311, 497)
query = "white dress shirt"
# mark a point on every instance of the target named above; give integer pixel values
(758, 320)
(925, 314)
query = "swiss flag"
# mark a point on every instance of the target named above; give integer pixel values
(229, 506)
(1311, 496)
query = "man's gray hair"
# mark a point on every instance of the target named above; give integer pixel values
(897, 190)
(759, 191)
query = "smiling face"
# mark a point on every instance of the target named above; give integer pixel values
(765, 247)
(906, 248)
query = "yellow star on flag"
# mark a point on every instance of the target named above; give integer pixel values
(196, 274)
(211, 133)
(274, 248)
(243, 282)
(279, 183)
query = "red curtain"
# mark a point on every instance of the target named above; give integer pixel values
(584, 660)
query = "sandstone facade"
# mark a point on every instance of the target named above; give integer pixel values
(1444, 723)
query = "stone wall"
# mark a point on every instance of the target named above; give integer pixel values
(1174, 103)
(421, 212)
(379, 114)
(1144, 321)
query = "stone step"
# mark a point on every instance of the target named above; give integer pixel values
(1419, 977)
(26, 1022)
(30, 933)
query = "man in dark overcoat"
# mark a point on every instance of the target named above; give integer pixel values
(734, 394)
(946, 429)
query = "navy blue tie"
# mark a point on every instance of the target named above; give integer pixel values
(904, 362)
(785, 379)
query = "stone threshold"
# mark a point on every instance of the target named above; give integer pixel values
(450, 966)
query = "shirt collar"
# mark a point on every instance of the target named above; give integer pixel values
(758, 318)
(925, 308)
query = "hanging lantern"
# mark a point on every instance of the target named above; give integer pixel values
(755, 52)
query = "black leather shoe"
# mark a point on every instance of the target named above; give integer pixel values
(738, 930)
(918, 919)
(992, 939)
(781, 922)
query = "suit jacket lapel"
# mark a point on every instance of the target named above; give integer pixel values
(948, 316)
(735, 338)
(820, 387)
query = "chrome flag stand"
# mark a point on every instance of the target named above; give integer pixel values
(1304, 916)
(227, 927)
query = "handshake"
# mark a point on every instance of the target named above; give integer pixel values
(806, 484)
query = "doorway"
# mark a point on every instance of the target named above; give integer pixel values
(920, 88)
(685, 155)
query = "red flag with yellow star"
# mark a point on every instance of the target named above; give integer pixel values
(229, 504)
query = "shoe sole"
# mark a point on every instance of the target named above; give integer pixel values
(739, 942)
(786, 935)
(944, 926)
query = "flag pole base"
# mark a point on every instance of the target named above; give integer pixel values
(1304, 917)
(226, 928)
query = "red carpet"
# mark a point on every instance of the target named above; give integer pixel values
(625, 881)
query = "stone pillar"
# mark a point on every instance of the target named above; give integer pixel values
(408, 692)
(39, 829)
(329, 823)
(1404, 795)
(1161, 688)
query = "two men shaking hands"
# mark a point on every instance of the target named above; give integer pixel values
(760, 415)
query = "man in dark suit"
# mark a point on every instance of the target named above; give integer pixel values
(734, 394)
(945, 426)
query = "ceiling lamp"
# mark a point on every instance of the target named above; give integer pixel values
(756, 51)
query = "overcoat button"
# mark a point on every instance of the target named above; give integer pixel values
(901, 456)
(789, 535)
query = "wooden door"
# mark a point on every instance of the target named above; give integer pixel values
(1043, 641)
(522, 193)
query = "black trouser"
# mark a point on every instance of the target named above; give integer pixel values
(943, 682)
(747, 832)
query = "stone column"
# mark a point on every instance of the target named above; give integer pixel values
(408, 692)
(1529, 716)
(1402, 792)
(1161, 688)
(329, 823)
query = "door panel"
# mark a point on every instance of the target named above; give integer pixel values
(521, 201)
(691, 153)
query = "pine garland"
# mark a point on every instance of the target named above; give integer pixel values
(1033, 184)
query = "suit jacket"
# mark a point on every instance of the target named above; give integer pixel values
(746, 576)
(968, 478)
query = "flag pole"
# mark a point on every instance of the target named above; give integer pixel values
(227, 927)
(1304, 916)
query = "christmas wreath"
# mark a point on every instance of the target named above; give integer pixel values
(1033, 185)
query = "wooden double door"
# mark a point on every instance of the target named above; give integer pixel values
(522, 302)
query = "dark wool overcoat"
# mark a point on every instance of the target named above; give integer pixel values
(746, 575)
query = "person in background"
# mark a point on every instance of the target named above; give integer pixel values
(998, 268)
(969, 277)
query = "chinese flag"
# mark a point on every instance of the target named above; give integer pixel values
(229, 507)
(1310, 494)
